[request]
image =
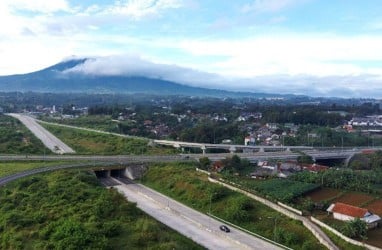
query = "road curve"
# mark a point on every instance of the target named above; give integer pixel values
(6, 179)
(47, 138)
(193, 224)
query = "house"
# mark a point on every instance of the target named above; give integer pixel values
(272, 126)
(217, 166)
(314, 168)
(262, 173)
(345, 212)
(290, 166)
(250, 140)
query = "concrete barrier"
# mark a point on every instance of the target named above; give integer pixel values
(290, 208)
(203, 171)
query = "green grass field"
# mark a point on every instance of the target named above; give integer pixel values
(9, 168)
(89, 142)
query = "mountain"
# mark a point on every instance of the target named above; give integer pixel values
(59, 79)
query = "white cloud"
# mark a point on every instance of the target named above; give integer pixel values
(333, 85)
(41, 6)
(136, 65)
(142, 8)
(259, 6)
(313, 54)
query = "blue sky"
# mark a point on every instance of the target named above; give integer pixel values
(314, 47)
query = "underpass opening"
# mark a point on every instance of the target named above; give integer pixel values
(118, 173)
(102, 173)
(331, 162)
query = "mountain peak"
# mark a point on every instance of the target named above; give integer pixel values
(66, 64)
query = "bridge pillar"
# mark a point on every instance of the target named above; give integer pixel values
(261, 149)
(288, 149)
(232, 149)
(203, 148)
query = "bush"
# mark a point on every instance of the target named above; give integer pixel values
(355, 229)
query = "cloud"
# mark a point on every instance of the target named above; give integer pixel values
(41, 6)
(138, 9)
(328, 86)
(135, 65)
(260, 6)
(290, 54)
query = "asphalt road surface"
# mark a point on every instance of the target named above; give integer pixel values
(195, 225)
(47, 138)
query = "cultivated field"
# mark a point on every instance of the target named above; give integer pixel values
(355, 199)
(323, 194)
(375, 207)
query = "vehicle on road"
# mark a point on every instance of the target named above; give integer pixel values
(224, 228)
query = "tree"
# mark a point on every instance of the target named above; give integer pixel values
(308, 204)
(376, 160)
(356, 229)
(234, 163)
(204, 163)
(306, 159)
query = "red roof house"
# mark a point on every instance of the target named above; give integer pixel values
(346, 212)
(315, 168)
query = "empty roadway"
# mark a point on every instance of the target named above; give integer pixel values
(47, 138)
(197, 226)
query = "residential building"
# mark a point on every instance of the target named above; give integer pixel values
(345, 212)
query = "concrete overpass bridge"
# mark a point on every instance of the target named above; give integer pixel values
(134, 166)
(125, 159)
(229, 147)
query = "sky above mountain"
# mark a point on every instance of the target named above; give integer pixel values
(314, 47)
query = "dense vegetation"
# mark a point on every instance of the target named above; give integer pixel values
(70, 210)
(371, 161)
(283, 190)
(88, 142)
(181, 182)
(276, 189)
(362, 181)
(15, 138)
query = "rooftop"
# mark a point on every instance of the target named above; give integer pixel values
(349, 210)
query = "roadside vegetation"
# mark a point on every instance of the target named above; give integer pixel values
(13, 167)
(345, 179)
(89, 142)
(71, 210)
(15, 138)
(340, 242)
(181, 182)
(98, 122)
